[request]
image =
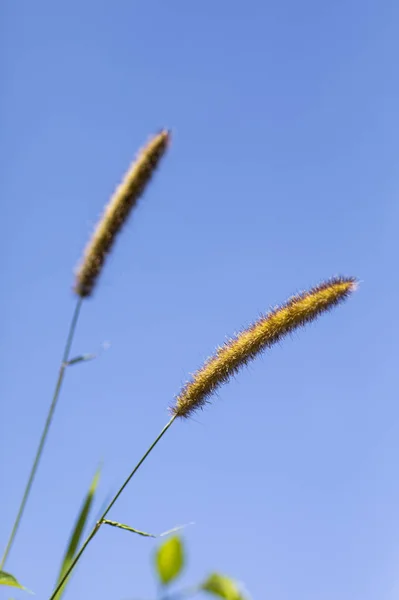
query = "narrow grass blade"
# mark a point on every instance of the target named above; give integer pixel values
(11, 581)
(127, 528)
(143, 533)
(78, 531)
(81, 358)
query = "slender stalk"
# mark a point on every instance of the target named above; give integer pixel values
(50, 414)
(110, 505)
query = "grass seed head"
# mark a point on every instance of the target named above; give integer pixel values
(117, 212)
(265, 332)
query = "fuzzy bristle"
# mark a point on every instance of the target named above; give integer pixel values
(265, 332)
(117, 212)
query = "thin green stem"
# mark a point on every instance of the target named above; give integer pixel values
(46, 428)
(127, 528)
(110, 505)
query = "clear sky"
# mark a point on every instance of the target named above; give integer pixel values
(283, 171)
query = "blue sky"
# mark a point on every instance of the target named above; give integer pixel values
(283, 171)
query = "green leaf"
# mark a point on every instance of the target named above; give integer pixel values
(77, 532)
(169, 560)
(81, 358)
(222, 586)
(8, 579)
(128, 528)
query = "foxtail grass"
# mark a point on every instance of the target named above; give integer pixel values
(265, 332)
(115, 215)
(117, 212)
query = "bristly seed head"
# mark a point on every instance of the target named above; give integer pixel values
(265, 332)
(117, 211)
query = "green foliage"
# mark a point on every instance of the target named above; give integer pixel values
(169, 560)
(77, 532)
(81, 358)
(127, 528)
(170, 563)
(10, 580)
(222, 586)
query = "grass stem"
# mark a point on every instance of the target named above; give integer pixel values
(46, 428)
(106, 511)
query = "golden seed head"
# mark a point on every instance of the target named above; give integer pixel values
(265, 332)
(117, 211)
